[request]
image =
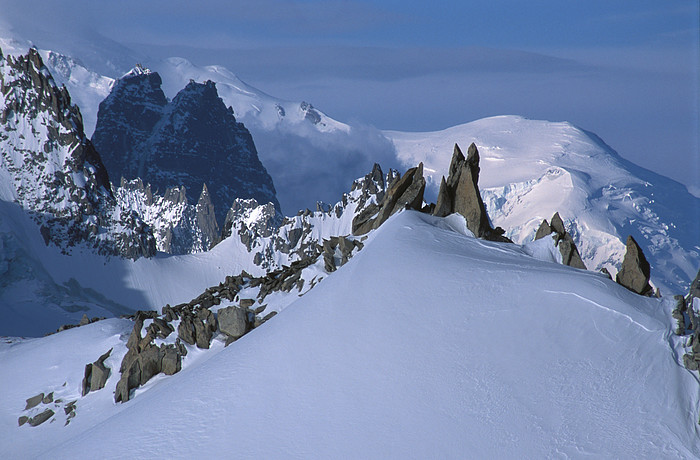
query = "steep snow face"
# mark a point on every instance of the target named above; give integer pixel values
(531, 169)
(193, 140)
(428, 343)
(52, 170)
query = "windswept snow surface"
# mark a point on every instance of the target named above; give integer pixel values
(531, 169)
(429, 343)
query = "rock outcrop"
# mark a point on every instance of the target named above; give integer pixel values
(687, 315)
(56, 174)
(276, 241)
(460, 194)
(178, 226)
(403, 193)
(96, 374)
(144, 359)
(191, 140)
(563, 240)
(635, 271)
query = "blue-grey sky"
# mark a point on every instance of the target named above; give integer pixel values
(625, 69)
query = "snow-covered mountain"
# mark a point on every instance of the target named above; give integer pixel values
(193, 141)
(278, 126)
(532, 169)
(428, 342)
(50, 168)
(292, 337)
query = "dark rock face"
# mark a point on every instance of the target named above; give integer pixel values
(41, 418)
(96, 374)
(563, 240)
(460, 194)
(58, 176)
(404, 193)
(134, 105)
(543, 230)
(144, 359)
(695, 286)
(233, 322)
(206, 217)
(635, 271)
(34, 401)
(193, 139)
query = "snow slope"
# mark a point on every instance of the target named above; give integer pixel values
(429, 343)
(41, 288)
(531, 168)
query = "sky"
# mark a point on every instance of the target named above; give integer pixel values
(626, 70)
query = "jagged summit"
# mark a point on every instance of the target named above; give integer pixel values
(191, 140)
(50, 168)
(137, 70)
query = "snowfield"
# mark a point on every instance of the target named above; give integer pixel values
(429, 343)
(531, 169)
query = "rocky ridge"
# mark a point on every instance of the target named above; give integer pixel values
(275, 242)
(53, 171)
(178, 226)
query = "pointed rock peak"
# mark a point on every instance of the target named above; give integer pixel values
(206, 217)
(557, 224)
(460, 194)
(377, 175)
(635, 271)
(35, 58)
(403, 193)
(204, 197)
(457, 159)
(473, 155)
(543, 230)
(563, 240)
(176, 195)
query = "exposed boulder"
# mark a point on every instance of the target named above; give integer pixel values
(186, 331)
(635, 271)
(34, 401)
(233, 321)
(460, 194)
(96, 374)
(41, 418)
(404, 193)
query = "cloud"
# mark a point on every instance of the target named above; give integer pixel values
(308, 166)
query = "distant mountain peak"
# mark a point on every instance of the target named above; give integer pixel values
(193, 139)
